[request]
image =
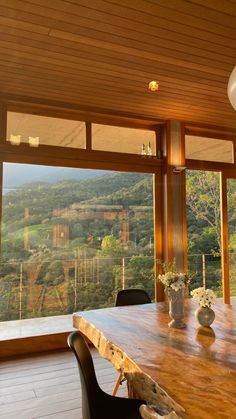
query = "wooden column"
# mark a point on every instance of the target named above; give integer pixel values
(158, 237)
(3, 129)
(224, 239)
(174, 206)
(158, 221)
(88, 136)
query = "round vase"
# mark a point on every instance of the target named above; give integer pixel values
(205, 316)
(176, 308)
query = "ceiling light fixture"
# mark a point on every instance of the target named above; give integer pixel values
(153, 86)
(15, 139)
(34, 141)
(232, 88)
(178, 169)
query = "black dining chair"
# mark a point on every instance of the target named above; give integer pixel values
(96, 404)
(132, 296)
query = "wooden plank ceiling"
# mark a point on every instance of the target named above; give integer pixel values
(101, 54)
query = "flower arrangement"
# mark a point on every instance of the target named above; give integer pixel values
(172, 279)
(205, 297)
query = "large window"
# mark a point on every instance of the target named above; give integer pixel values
(37, 130)
(231, 195)
(123, 140)
(209, 149)
(203, 229)
(72, 237)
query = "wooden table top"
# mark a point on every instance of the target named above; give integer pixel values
(195, 366)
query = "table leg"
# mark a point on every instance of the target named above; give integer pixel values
(121, 375)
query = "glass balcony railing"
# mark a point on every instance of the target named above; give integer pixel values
(55, 287)
(205, 270)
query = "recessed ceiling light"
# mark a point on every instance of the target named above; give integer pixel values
(34, 141)
(153, 86)
(15, 139)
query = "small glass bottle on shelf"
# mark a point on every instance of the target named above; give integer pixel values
(143, 150)
(159, 154)
(149, 149)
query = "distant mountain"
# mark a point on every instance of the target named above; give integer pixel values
(114, 188)
(16, 175)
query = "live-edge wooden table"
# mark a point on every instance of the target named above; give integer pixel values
(191, 370)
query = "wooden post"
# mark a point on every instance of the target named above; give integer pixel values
(98, 279)
(3, 135)
(88, 135)
(224, 239)
(204, 271)
(123, 273)
(174, 211)
(75, 282)
(85, 266)
(21, 283)
(158, 231)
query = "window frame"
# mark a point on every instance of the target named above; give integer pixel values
(226, 171)
(87, 158)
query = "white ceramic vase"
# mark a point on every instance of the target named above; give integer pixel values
(205, 316)
(176, 307)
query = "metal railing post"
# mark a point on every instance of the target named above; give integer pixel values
(75, 283)
(123, 273)
(204, 271)
(21, 281)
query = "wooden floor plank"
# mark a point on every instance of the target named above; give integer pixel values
(49, 371)
(53, 402)
(35, 360)
(42, 409)
(12, 398)
(48, 386)
(68, 414)
(48, 380)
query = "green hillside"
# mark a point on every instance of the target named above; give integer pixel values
(123, 189)
(42, 197)
(75, 232)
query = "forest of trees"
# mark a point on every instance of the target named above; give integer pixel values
(70, 245)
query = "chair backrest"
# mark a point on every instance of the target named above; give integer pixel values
(89, 385)
(132, 296)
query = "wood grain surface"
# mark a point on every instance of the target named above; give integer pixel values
(102, 54)
(194, 368)
(47, 385)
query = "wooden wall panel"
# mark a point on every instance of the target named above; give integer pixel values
(33, 344)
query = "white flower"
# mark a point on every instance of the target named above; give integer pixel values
(174, 280)
(205, 297)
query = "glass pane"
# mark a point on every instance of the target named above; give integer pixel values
(38, 130)
(123, 140)
(203, 229)
(72, 237)
(231, 194)
(209, 149)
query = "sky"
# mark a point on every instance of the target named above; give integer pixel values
(16, 175)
